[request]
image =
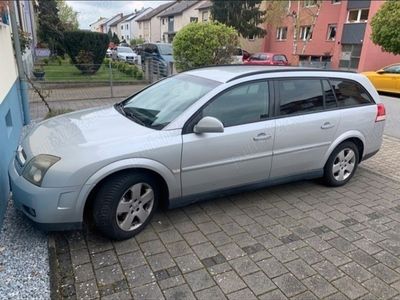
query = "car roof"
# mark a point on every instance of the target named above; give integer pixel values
(227, 73)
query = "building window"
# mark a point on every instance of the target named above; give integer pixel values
(122, 26)
(358, 15)
(127, 37)
(336, 1)
(122, 37)
(163, 21)
(309, 3)
(126, 26)
(204, 16)
(194, 19)
(331, 32)
(305, 33)
(281, 33)
(140, 25)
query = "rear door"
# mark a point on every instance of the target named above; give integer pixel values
(305, 125)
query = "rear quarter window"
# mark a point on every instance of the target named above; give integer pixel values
(349, 93)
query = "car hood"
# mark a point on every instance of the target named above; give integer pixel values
(85, 132)
(168, 58)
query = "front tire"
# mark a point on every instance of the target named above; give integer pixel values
(341, 165)
(125, 204)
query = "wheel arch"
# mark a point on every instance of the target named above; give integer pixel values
(352, 136)
(169, 181)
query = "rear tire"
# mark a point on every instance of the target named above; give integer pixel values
(125, 204)
(341, 165)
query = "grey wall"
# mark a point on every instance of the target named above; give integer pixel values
(353, 33)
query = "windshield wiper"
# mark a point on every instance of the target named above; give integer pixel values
(131, 115)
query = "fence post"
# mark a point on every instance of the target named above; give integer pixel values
(147, 69)
(111, 79)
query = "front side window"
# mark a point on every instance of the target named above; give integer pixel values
(349, 93)
(245, 103)
(395, 69)
(299, 96)
(281, 33)
(163, 102)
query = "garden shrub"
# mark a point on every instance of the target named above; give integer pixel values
(201, 44)
(86, 49)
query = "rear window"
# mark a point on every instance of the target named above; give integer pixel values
(349, 93)
(299, 96)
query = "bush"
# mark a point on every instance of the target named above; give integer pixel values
(86, 49)
(201, 44)
(46, 61)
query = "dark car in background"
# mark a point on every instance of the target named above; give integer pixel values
(267, 59)
(160, 55)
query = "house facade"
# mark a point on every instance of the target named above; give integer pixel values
(105, 26)
(11, 104)
(134, 26)
(97, 26)
(175, 17)
(334, 33)
(150, 24)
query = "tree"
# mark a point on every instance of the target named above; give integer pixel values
(244, 15)
(115, 39)
(68, 17)
(49, 26)
(385, 27)
(86, 49)
(201, 44)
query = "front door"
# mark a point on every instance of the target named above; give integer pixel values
(240, 155)
(304, 130)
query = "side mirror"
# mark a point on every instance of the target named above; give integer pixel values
(380, 72)
(208, 125)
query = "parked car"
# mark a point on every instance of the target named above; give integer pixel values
(386, 79)
(267, 59)
(192, 136)
(109, 52)
(126, 54)
(160, 54)
(240, 56)
(124, 45)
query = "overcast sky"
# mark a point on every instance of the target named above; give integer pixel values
(90, 11)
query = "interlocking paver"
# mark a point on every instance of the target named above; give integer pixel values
(299, 241)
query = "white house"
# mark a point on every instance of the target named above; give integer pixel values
(124, 30)
(175, 17)
(96, 26)
(150, 24)
(106, 25)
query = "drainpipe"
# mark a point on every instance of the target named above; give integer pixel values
(21, 72)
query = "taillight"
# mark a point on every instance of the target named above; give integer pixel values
(381, 113)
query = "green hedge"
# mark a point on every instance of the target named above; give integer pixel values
(86, 49)
(130, 70)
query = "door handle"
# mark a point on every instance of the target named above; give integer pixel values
(262, 137)
(327, 125)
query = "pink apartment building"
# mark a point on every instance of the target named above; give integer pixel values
(340, 37)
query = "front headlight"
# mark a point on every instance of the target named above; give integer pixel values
(37, 167)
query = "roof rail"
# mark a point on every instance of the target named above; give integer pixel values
(297, 69)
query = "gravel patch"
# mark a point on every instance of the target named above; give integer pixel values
(24, 263)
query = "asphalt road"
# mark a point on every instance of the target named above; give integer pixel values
(392, 104)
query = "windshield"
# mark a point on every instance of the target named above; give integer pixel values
(161, 103)
(165, 49)
(125, 50)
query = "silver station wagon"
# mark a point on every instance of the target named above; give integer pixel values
(196, 135)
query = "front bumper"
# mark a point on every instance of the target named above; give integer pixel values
(49, 208)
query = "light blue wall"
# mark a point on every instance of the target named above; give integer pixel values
(11, 122)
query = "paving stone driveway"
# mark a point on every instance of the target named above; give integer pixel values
(297, 241)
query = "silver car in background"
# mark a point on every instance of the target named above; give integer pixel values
(193, 136)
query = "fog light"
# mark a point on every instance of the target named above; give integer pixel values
(29, 210)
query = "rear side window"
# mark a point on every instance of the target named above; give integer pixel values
(299, 96)
(349, 93)
(330, 100)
